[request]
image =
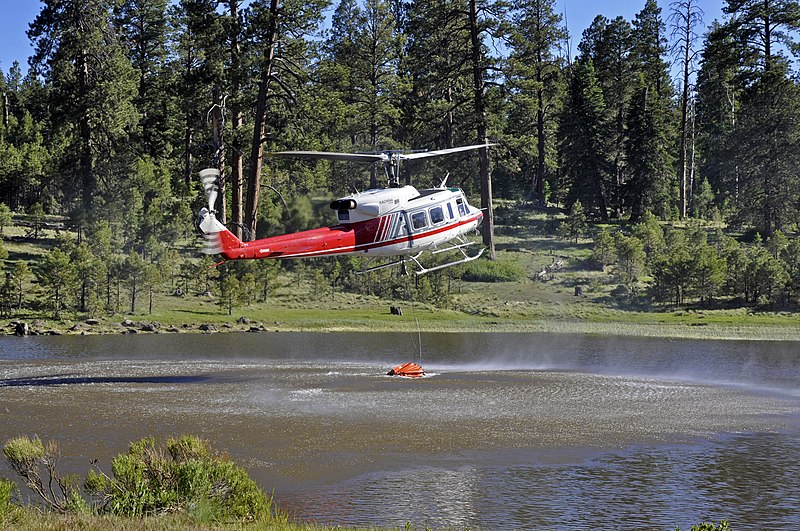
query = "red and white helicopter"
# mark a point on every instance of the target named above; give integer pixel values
(383, 222)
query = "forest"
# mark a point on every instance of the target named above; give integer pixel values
(651, 129)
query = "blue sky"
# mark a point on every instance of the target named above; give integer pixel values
(17, 14)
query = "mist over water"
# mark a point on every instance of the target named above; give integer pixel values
(508, 431)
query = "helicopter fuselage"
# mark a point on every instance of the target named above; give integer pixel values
(380, 222)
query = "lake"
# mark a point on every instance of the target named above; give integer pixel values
(506, 431)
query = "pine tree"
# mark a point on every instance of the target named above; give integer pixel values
(80, 56)
(719, 90)
(582, 133)
(436, 109)
(647, 146)
(764, 26)
(763, 145)
(575, 225)
(198, 64)
(364, 62)
(536, 84)
(768, 153)
(143, 29)
(609, 43)
(55, 275)
(481, 16)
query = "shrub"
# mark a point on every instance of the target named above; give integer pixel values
(26, 455)
(6, 490)
(492, 271)
(723, 526)
(187, 477)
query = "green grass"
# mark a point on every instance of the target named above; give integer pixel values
(34, 519)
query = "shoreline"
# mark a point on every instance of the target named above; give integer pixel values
(707, 331)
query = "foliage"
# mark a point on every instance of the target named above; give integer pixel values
(705, 526)
(630, 260)
(605, 250)
(492, 271)
(188, 476)
(575, 226)
(26, 456)
(7, 488)
(5, 217)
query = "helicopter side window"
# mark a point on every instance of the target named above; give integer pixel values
(418, 220)
(450, 210)
(462, 210)
(437, 215)
(344, 215)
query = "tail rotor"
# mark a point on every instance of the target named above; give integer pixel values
(209, 224)
(210, 178)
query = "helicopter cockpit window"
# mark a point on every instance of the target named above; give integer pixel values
(462, 210)
(437, 215)
(418, 220)
(344, 215)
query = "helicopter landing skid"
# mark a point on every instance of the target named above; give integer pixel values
(422, 269)
(401, 263)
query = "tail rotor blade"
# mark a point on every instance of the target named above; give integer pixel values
(210, 178)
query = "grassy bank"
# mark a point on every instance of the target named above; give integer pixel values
(31, 519)
(298, 302)
(369, 314)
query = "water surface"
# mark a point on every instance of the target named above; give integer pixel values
(508, 431)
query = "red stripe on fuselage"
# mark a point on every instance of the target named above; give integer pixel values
(355, 237)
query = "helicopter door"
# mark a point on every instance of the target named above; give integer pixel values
(402, 228)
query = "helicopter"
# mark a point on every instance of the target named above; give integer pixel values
(396, 221)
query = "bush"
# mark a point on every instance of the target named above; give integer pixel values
(492, 271)
(191, 479)
(723, 526)
(6, 490)
(186, 478)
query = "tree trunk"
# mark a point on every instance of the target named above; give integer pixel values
(219, 151)
(687, 43)
(259, 123)
(237, 168)
(188, 133)
(540, 148)
(86, 158)
(83, 295)
(6, 111)
(480, 115)
(373, 141)
(538, 188)
(133, 296)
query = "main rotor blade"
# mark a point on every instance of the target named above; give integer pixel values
(439, 152)
(327, 155)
